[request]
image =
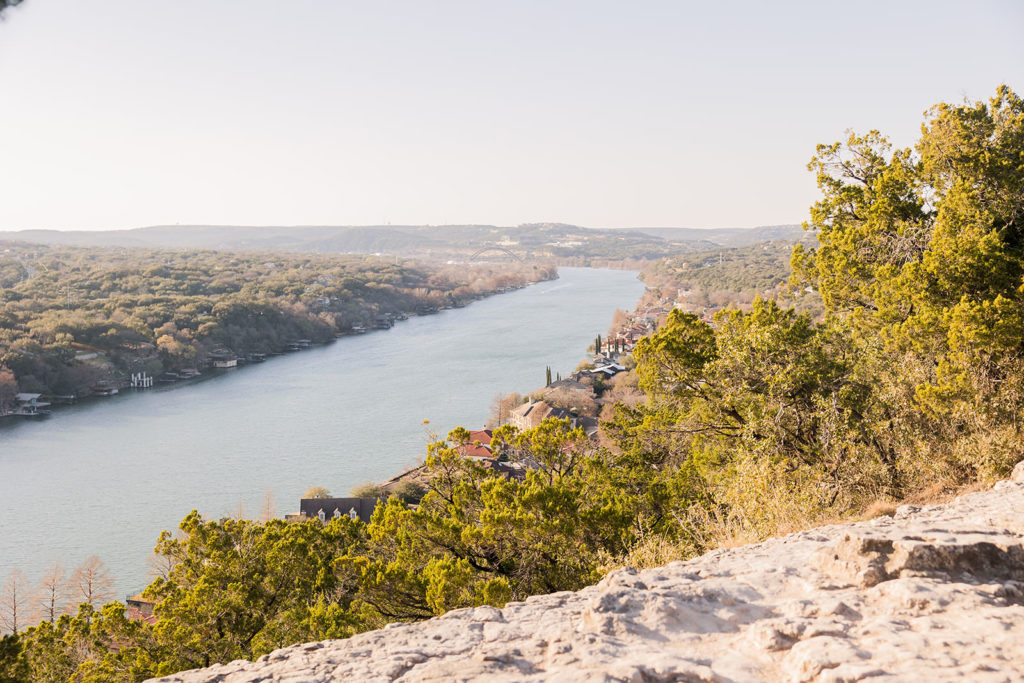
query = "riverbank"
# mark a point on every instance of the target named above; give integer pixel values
(79, 321)
(39, 406)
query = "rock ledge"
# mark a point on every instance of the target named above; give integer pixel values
(933, 593)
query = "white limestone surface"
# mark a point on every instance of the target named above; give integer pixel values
(930, 594)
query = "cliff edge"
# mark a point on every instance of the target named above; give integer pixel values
(933, 593)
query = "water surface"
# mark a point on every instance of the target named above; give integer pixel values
(107, 476)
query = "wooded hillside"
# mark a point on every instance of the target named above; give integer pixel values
(72, 316)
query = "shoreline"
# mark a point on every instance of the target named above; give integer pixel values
(119, 386)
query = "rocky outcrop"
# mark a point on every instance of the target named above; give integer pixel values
(933, 593)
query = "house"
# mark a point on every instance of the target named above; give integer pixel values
(326, 509)
(478, 445)
(510, 470)
(571, 385)
(138, 608)
(529, 414)
(532, 413)
(590, 426)
(607, 370)
(29, 404)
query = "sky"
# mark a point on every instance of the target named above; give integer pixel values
(117, 114)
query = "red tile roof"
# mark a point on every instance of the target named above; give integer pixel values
(473, 451)
(481, 435)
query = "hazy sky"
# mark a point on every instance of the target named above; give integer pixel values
(124, 113)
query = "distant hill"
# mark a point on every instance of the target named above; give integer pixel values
(537, 240)
(729, 237)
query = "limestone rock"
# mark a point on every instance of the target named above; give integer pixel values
(1018, 472)
(933, 593)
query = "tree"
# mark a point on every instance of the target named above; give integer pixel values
(91, 583)
(576, 401)
(479, 538)
(409, 491)
(268, 510)
(367, 490)
(547, 373)
(17, 600)
(8, 390)
(13, 664)
(502, 407)
(921, 255)
(52, 594)
(316, 492)
(239, 589)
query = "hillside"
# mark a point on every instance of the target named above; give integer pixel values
(72, 317)
(540, 240)
(931, 593)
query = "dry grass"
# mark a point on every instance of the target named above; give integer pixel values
(713, 530)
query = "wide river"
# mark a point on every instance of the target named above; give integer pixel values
(105, 477)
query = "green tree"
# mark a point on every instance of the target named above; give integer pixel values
(921, 256)
(13, 665)
(239, 589)
(367, 490)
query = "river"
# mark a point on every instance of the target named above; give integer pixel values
(105, 477)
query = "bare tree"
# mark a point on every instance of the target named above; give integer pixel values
(502, 407)
(91, 582)
(268, 510)
(16, 599)
(580, 402)
(160, 566)
(239, 511)
(620, 319)
(52, 595)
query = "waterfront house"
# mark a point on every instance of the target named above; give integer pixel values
(528, 415)
(532, 413)
(608, 370)
(570, 385)
(326, 509)
(29, 404)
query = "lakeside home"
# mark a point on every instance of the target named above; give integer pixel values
(326, 509)
(30, 405)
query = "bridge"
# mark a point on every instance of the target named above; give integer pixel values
(483, 250)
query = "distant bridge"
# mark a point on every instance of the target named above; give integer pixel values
(483, 250)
